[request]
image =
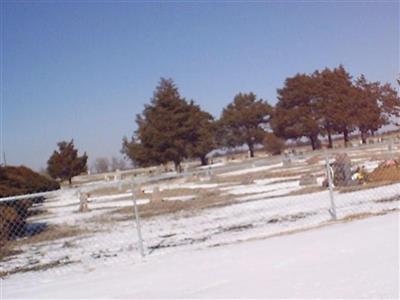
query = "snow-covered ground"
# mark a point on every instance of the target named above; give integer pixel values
(246, 219)
(251, 170)
(357, 259)
(259, 206)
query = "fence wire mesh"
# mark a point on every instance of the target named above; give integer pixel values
(226, 203)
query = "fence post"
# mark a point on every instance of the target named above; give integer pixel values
(137, 219)
(332, 209)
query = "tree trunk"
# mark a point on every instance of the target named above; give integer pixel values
(364, 135)
(251, 149)
(313, 141)
(346, 137)
(204, 160)
(70, 181)
(330, 143)
(178, 167)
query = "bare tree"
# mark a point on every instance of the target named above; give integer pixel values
(101, 165)
(117, 164)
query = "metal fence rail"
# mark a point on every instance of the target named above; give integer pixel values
(28, 196)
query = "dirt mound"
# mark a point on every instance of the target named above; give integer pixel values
(387, 171)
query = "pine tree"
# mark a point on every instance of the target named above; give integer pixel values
(336, 102)
(296, 113)
(65, 163)
(244, 121)
(163, 129)
(201, 137)
(323, 93)
(369, 117)
(390, 103)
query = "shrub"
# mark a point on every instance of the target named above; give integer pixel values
(22, 180)
(18, 181)
(273, 144)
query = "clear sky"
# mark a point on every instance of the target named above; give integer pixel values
(83, 70)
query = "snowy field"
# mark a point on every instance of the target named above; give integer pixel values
(205, 211)
(358, 259)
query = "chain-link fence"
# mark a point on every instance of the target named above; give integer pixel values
(126, 217)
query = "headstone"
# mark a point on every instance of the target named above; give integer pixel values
(248, 179)
(308, 179)
(286, 160)
(342, 174)
(185, 168)
(120, 186)
(390, 145)
(155, 196)
(117, 175)
(83, 202)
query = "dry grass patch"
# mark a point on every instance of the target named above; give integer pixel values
(204, 199)
(313, 160)
(178, 192)
(307, 190)
(366, 186)
(263, 175)
(38, 267)
(55, 232)
(6, 252)
(109, 191)
(51, 233)
(359, 216)
(314, 227)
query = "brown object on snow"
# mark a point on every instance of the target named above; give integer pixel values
(313, 160)
(389, 170)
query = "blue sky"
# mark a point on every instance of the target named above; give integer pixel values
(83, 70)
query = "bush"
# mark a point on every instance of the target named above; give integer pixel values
(18, 181)
(273, 144)
(22, 180)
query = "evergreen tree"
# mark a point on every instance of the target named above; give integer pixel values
(296, 113)
(389, 102)
(370, 117)
(244, 121)
(65, 163)
(337, 104)
(201, 137)
(163, 130)
(323, 87)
